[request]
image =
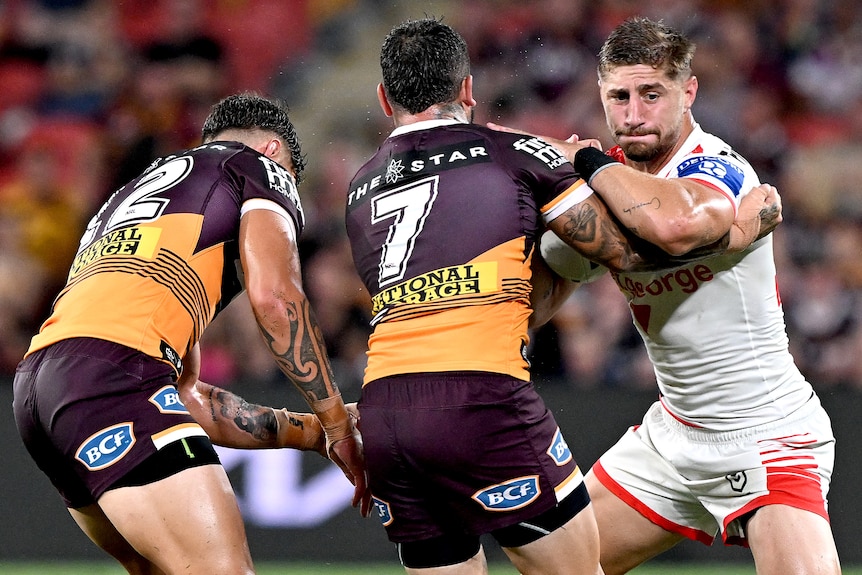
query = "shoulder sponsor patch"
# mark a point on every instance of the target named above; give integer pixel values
(714, 168)
(282, 182)
(541, 150)
(512, 494)
(106, 447)
(167, 400)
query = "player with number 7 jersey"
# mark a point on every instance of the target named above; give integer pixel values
(443, 221)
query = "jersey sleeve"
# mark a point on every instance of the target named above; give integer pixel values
(542, 168)
(264, 184)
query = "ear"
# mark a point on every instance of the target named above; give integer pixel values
(384, 101)
(272, 148)
(690, 90)
(466, 94)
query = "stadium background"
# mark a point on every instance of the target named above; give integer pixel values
(92, 90)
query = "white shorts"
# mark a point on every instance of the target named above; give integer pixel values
(696, 482)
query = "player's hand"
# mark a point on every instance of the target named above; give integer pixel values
(770, 213)
(344, 447)
(353, 411)
(759, 214)
(568, 147)
(347, 454)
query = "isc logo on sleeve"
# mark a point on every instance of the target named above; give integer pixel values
(512, 494)
(106, 447)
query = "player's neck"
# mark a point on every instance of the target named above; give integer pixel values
(451, 111)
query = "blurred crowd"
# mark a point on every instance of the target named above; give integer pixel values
(91, 91)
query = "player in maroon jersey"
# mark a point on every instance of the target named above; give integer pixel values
(97, 398)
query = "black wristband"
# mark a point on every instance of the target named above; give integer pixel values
(590, 161)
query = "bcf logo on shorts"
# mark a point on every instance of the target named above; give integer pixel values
(510, 495)
(559, 449)
(383, 511)
(106, 447)
(167, 400)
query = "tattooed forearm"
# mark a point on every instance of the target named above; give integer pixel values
(256, 420)
(300, 352)
(600, 237)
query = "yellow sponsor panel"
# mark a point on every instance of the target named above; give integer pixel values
(134, 241)
(465, 279)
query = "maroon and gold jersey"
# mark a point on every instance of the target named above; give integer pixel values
(160, 258)
(443, 221)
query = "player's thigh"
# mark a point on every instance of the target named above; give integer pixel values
(785, 540)
(572, 549)
(626, 537)
(93, 521)
(190, 518)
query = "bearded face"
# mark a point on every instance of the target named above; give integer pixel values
(645, 110)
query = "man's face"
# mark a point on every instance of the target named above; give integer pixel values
(645, 109)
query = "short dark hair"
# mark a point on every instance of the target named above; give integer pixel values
(640, 40)
(423, 63)
(249, 111)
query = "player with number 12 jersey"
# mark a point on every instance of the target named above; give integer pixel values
(159, 259)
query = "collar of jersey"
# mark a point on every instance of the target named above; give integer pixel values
(694, 139)
(423, 125)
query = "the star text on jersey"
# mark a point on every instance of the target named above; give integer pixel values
(419, 163)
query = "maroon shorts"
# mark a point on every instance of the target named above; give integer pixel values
(89, 411)
(461, 453)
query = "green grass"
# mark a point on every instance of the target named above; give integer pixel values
(101, 568)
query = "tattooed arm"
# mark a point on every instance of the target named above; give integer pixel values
(591, 229)
(231, 421)
(681, 215)
(273, 281)
(684, 218)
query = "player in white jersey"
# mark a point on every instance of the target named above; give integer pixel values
(738, 444)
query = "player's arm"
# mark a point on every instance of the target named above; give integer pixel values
(231, 421)
(678, 215)
(592, 230)
(549, 291)
(682, 217)
(273, 281)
